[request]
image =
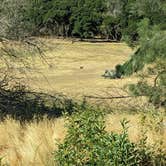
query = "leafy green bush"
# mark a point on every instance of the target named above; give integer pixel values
(111, 28)
(121, 151)
(86, 140)
(87, 143)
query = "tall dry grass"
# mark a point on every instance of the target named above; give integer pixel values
(33, 143)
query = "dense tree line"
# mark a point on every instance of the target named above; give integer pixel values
(147, 22)
(81, 18)
(111, 19)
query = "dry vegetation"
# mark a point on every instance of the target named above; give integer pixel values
(34, 143)
(74, 69)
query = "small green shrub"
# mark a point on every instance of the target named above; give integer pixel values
(86, 140)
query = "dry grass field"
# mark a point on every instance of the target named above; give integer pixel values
(75, 70)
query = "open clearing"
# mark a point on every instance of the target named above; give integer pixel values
(75, 69)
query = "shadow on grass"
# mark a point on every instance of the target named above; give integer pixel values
(24, 105)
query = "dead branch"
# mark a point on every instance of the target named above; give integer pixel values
(114, 97)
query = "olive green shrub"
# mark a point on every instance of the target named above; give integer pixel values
(87, 143)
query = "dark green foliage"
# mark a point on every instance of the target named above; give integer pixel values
(119, 71)
(56, 16)
(81, 18)
(154, 10)
(128, 21)
(156, 91)
(87, 17)
(149, 27)
(113, 19)
(111, 28)
(151, 44)
(152, 50)
(134, 11)
(33, 15)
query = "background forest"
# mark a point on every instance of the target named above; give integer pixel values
(87, 140)
(112, 19)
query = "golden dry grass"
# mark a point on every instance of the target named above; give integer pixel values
(74, 69)
(60, 71)
(30, 145)
(33, 144)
